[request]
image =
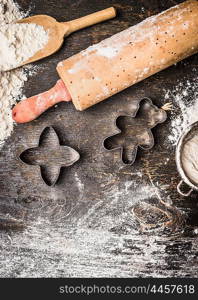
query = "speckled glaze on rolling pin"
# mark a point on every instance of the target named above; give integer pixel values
(132, 55)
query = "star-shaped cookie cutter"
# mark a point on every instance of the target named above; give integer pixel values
(63, 156)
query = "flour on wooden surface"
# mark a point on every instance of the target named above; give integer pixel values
(11, 82)
(9, 12)
(111, 47)
(184, 97)
(19, 42)
(93, 231)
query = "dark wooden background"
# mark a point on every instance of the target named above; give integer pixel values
(84, 225)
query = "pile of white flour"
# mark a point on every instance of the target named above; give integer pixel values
(19, 42)
(12, 82)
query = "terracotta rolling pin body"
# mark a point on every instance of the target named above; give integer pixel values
(130, 56)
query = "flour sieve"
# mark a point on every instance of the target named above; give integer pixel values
(188, 177)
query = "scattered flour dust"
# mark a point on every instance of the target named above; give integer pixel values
(92, 232)
(19, 42)
(12, 82)
(190, 158)
(185, 98)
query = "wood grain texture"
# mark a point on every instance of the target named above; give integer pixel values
(84, 226)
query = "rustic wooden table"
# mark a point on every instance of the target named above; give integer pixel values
(84, 226)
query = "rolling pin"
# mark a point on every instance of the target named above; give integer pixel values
(120, 61)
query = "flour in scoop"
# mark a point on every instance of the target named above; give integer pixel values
(19, 42)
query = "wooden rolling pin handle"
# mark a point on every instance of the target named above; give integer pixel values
(89, 20)
(29, 109)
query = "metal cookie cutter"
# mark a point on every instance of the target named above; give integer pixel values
(134, 130)
(50, 156)
(190, 132)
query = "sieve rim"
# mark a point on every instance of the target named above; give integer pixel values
(178, 156)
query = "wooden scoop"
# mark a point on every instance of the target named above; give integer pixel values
(57, 31)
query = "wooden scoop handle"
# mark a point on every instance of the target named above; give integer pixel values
(29, 109)
(89, 20)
